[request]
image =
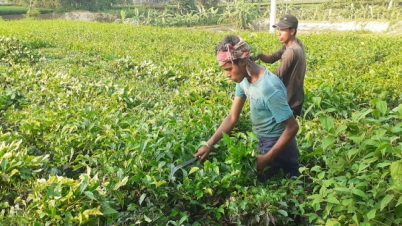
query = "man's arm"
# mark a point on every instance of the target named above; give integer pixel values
(270, 58)
(288, 59)
(226, 126)
(291, 128)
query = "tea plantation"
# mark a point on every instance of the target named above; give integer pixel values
(95, 116)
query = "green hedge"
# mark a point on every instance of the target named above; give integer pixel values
(14, 10)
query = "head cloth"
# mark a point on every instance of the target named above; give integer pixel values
(240, 51)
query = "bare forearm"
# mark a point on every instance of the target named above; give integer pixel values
(227, 125)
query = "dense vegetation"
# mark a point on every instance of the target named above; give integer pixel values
(94, 117)
(13, 10)
(241, 13)
(66, 5)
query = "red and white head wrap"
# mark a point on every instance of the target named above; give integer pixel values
(240, 51)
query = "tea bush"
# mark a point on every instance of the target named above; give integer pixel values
(94, 117)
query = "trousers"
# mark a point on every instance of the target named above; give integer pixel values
(286, 161)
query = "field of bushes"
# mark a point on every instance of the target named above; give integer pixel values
(95, 116)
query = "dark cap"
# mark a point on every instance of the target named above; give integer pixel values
(287, 21)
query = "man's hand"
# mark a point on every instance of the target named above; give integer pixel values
(262, 161)
(203, 152)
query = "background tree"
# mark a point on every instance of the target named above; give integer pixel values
(208, 3)
(66, 5)
(186, 6)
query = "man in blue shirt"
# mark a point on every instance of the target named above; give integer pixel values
(272, 119)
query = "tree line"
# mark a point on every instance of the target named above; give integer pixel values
(92, 5)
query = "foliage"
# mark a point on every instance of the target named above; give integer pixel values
(168, 19)
(208, 3)
(239, 13)
(13, 51)
(32, 13)
(185, 6)
(341, 10)
(92, 5)
(13, 10)
(93, 123)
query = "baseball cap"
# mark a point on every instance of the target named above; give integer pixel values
(287, 21)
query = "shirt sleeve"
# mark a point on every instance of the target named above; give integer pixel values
(240, 91)
(286, 63)
(279, 107)
(278, 54)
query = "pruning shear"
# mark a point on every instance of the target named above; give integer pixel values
(188, 162)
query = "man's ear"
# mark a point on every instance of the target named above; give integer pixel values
(242, 62)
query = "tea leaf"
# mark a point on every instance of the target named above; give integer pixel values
(399, 201)
(341, 189)
(283, 212)
(316, 168)
(396, 171)
(89, 195)
(174, 212)
(107, 210)
(321, 175)
(120, 183)
(7, 155)
(199, 194)
(371, 214)
(352, 152)
(94, 211)
(383, 164)
(382, 107)
(340, 129)
(84, 182)
(359, 193)
(326, 142)
(386, 200)
(147, 219)
(216, 169)
(193, 170)
(208, 190)
(331, 199)
(327, 122)
(332, 222)
(182, 219)
(142, 197)
(161, 182)
(380, 148)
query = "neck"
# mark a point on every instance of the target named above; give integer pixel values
(291, 41)
(256, 71)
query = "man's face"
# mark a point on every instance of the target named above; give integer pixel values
(284, 34)
(235, 72)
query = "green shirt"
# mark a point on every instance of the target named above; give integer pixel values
(268, 104)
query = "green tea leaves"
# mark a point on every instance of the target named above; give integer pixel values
(396, 172)
(385, 201)
(193, 170)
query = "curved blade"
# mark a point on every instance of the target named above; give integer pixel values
(183, 165)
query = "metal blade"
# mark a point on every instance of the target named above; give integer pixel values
(183, 165)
